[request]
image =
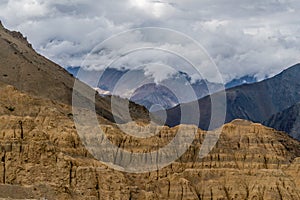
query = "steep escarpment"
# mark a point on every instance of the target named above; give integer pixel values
(40, 147)
(42, 156)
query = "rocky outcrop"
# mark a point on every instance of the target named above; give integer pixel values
(16, 34)
(43, 157)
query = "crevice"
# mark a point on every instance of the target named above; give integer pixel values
(279, 192)
(97, 187)
(4, 168)
(226, 192)
(265, 161)
(182, 191)
(21, 128)
(70, 174)
(169, 187)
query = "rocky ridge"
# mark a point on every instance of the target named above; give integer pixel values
(43, 157)
(34, 74)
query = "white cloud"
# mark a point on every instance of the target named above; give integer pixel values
(159, 71)
(243, 37)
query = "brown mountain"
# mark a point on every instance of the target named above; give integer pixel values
(32, 73)
(42, 156)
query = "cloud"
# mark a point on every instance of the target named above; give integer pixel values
(258, 37)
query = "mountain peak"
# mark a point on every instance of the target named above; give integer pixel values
(34, 74)
(15, 34)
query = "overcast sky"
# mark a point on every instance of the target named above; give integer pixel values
(259, 37)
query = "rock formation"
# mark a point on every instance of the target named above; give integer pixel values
(43, 157)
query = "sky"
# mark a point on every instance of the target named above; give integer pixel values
(257, 37)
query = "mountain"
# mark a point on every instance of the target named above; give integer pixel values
(32, 73)
(256, 102)
(148, 94)
(151, 95)
(42, 156)
(248, 79)
(287, 120)
(110, 78)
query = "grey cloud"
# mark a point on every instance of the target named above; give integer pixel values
(257, 37)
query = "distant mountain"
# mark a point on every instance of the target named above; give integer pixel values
(287, 120)
(256, 102)
(111, 76)
(241, 81)
(152, 94)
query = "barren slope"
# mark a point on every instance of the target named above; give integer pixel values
(32, 73)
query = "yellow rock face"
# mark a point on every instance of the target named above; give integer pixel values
(41, 156)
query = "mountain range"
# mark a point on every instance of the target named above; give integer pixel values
(153, 94)
(272, 101)
(42, 155)
(256, 102)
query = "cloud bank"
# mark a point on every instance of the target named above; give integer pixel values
(258, 37)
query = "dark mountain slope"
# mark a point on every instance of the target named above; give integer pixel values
(256, 102)
(287, 120)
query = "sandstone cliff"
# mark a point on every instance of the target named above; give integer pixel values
(43, 157)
